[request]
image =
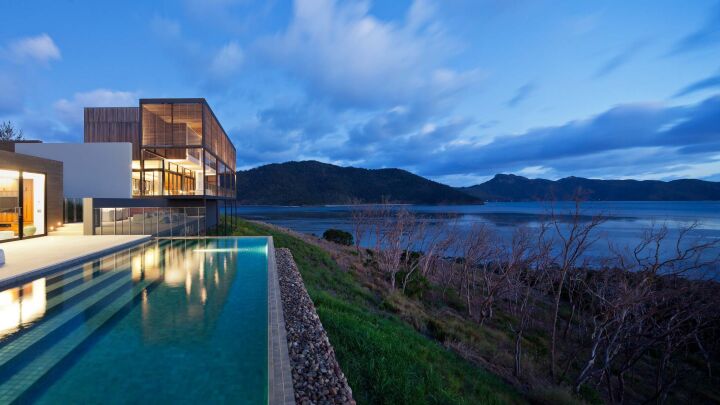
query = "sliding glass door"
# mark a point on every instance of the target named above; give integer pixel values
(33, 206)
(10, 208)
(22, 205)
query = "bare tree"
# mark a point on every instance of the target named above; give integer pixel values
(574, 239)
(429, 242)
(526, 286)
(360, 217)
(8, 132)
(439, 239)
(473, 252)
(507, 262)
(646, 305)
(396, 234)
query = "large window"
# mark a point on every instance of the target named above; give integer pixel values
(73, 210)
(210, 174)
(184, 151)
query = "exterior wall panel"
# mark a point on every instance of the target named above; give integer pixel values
(101, 170)
(113, 124)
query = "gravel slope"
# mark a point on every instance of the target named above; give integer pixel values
(317, 377)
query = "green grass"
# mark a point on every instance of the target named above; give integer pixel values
(385, 360)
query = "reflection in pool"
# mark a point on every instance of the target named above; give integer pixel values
(21, 306)
(172, 320)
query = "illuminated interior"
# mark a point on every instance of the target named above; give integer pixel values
(184, 151)
(22, 209)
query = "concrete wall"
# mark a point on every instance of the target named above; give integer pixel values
(97, 170)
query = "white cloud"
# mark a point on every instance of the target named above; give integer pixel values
(71, 111)
(39, 48)
(343, 53)
(534, 171)
(227, 60)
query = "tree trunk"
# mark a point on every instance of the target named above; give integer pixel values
(518, 353)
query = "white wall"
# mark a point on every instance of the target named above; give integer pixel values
(90, 170)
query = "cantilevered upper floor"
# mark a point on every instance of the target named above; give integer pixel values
(179, 149)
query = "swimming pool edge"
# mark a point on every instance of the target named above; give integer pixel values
(280, 386)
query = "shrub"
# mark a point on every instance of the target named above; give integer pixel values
(338, 236)
(436, 330)
(416, 287)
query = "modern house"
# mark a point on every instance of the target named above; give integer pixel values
(31, 194)
(165, 167)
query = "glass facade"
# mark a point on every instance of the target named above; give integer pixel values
(72, 210)
(183, 152)
(164, 221)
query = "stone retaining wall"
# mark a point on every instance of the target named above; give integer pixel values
(317, 377)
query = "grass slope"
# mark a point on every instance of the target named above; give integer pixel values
(385, 360)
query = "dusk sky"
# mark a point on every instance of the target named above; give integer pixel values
(454, 90)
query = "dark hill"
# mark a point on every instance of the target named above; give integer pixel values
(509, 187)
(316, 183)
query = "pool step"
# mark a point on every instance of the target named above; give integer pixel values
(67, 295)
(60, 279)
(34, 335)
(24, 379)
(81, 275)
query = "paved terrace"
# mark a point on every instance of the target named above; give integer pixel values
(30, 257)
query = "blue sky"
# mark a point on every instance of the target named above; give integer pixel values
(455, 90)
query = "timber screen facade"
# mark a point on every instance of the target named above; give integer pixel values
(179, 147)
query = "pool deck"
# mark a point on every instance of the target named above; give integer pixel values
(29, 258)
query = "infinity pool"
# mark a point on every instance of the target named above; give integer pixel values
(172, 320)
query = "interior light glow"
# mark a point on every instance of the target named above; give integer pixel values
(16, 308)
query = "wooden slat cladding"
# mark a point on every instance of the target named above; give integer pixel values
(53, 170)
(113, 124)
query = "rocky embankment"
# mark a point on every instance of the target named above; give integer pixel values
(317, 377)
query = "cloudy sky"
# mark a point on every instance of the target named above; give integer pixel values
(455, 90)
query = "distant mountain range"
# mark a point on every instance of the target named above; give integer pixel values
(509, 187)
(316, 183)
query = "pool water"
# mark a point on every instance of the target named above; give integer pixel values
(170, 321)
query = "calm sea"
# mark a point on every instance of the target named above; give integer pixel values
(626, 223)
